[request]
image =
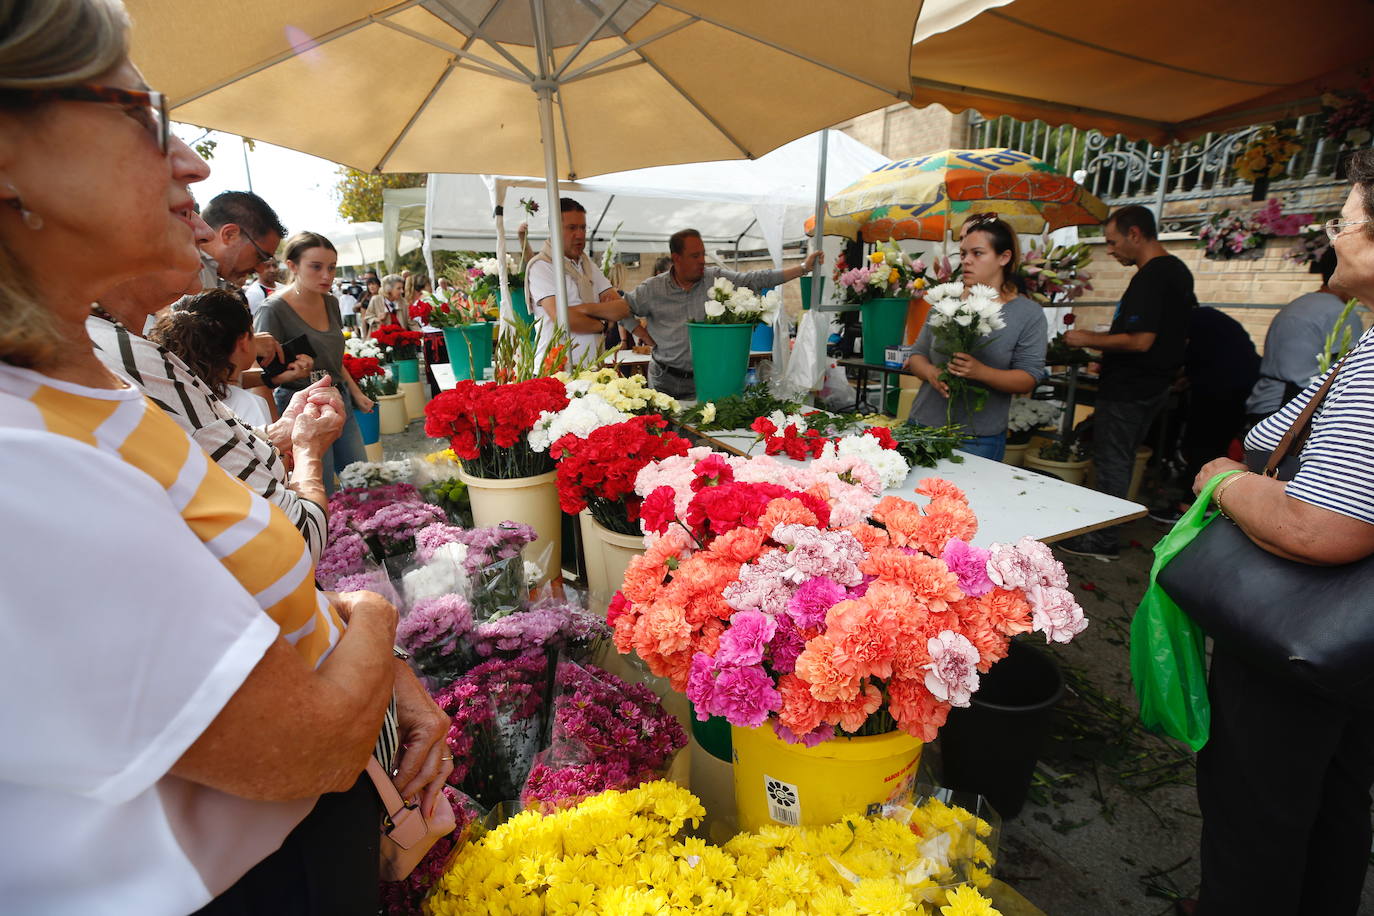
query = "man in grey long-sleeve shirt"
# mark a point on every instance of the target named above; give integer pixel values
(668, 301)
(1294, 340)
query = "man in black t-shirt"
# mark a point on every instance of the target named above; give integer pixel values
(1141, 354)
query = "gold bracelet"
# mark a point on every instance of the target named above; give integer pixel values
(1221, 489)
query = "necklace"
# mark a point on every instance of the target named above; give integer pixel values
(99, 311)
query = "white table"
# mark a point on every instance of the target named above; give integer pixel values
(1010, 502)
(629, 359)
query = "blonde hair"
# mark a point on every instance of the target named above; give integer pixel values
(47, 45)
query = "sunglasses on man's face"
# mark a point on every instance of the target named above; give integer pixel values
(148, 108)
(262, 255)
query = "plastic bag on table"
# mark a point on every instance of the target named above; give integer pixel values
(1168, 664)
(836, 393)
(806, 363)
(604, 734)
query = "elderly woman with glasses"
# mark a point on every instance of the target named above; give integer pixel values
(1284, 780)
(389, 307)
(188, 718)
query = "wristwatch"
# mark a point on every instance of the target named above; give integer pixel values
(400, 653)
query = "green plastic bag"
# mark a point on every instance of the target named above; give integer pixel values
(1168, 665)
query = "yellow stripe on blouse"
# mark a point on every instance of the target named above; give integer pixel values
(252, 537)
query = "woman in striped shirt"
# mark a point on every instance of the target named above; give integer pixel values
(1284, 780)
(186, 716)
(269, 461)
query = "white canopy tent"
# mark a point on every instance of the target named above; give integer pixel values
(361, 243)
(403, 210)
(759, 203)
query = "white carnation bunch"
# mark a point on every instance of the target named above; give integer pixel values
(888, 463)
(581, 416)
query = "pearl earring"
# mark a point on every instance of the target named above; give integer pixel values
(31, 219)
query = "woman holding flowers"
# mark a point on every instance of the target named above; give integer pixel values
(971, 390)
(307, 309)
(188, 717)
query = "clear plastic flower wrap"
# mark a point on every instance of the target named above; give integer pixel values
(498, 716)
(605, 733)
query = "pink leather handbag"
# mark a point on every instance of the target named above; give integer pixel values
(406, 834)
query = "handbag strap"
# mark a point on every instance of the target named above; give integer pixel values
(1297, 434)
(391, 799)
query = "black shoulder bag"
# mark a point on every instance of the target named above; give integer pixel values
(1311, 624)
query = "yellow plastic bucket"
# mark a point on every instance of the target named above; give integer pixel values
(781, 783)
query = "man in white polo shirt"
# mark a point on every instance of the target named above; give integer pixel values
(592, 302)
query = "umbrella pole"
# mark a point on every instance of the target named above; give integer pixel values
(507, 320)
(543, 88)
(818, 234)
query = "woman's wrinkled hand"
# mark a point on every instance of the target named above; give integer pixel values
(425, 761)
(317, 426)
(1213, 468)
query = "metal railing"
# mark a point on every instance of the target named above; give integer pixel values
(1123, 171)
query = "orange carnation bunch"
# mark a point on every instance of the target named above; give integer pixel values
(759, 609)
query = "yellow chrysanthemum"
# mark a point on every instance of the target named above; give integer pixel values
(571, 899)
(631, 901)
(831, 901)
(882, 897)
(965, 901)
(877, 257)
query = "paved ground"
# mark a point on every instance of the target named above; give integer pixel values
(1112, 825)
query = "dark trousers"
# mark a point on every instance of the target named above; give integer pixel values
(1119, 428)
(327, 866)
(1212, 420)
(1283, 785)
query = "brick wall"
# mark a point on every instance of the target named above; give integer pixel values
(1254, 290)
(900, 131)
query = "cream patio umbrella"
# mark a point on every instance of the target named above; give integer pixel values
(560, 88)
(1159, 71)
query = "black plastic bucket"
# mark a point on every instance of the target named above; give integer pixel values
(991, 747)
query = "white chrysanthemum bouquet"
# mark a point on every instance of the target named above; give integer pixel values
(728, 304)
(960, 318)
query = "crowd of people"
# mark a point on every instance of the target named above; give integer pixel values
(190, 715)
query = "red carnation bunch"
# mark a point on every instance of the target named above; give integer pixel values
(599, 471)
(361, 367)
(720, 504)
(488, 424)
(794, 440)
(883, 435)
(400, 343)
(420, 309)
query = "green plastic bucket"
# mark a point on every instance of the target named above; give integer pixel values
(713, 735)
(720, 358)
(407, 370)
(469, 350)
(518, 305)
(883, 323)
(806, 290)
